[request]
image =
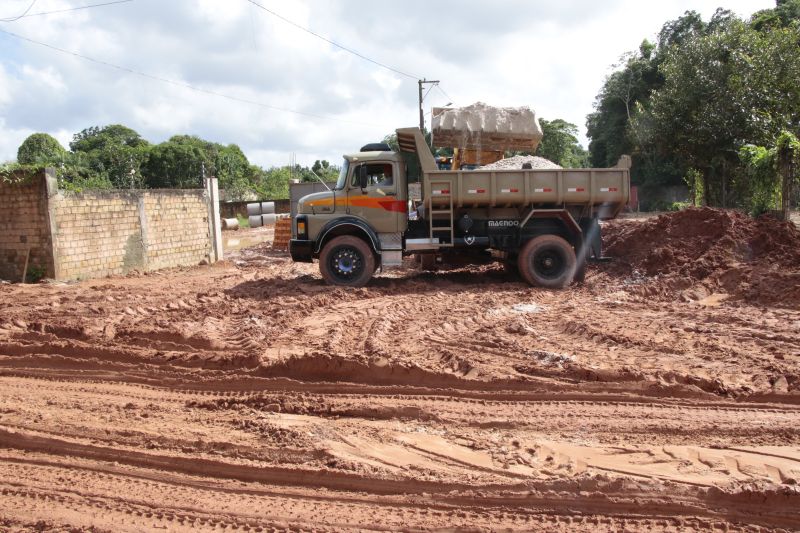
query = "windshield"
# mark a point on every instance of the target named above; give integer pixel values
(342, 176)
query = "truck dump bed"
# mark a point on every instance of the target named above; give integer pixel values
(603, 191)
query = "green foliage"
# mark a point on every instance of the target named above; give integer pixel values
(179, 163)
(694, 180)
(325, 170)
(785, 14)
(41, 149)
(273, 183)
(788, 141)
(70, 177)
(244, 222)
(113, 154)
(391, 140)
(706, 90)
(560, 144)
(758, 179)
(75, 178)
(16, 173)
(35, 273)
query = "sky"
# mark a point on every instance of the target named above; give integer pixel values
(228, 70)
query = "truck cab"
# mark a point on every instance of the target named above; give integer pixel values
(370, 203)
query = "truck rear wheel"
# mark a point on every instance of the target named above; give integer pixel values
(348, 261)
(547, 261)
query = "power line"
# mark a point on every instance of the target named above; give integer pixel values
(72, 9)
(180, 83)
(337, 45)
(12, 19)
(449, 98)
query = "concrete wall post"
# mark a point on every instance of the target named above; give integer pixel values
(51, 198)
(214, 223)
(143, 229)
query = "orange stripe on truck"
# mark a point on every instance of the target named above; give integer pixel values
(398, 206)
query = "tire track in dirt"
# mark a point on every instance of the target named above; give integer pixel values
(225, 506)
(231, 397)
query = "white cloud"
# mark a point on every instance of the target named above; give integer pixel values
(551, 56)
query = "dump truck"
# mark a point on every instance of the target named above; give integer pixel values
(390, 204)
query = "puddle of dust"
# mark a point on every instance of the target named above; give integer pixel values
(235, 240)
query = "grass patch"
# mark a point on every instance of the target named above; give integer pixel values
(244, 222)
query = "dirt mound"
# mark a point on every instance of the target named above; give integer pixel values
(699, 251)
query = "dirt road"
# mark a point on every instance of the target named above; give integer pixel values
(250, 396)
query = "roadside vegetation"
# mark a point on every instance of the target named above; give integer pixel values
(713, 104)
(117, 157)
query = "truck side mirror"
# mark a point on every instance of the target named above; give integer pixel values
(362, 176)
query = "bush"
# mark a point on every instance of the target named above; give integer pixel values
(34, 274)
(677, 206)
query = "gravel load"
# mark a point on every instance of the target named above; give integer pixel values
(516, 162)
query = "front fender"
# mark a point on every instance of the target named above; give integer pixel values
(336, 227)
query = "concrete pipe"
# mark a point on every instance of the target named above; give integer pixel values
(267, 208)
(255, 221)
(268, 220)
(230, 223)
(253, 209)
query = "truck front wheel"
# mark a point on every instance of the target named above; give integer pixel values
(547, 261)
(347, 260)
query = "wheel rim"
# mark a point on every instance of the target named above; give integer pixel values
(346, 263)
(549, 263)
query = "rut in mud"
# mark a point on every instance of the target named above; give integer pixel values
(250, 395)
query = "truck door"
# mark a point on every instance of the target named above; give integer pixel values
(379, 202)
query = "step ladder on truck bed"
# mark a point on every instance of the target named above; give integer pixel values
(441, 189)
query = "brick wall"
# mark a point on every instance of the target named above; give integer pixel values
(97, 234)
(23, 225)
(94, 234)
(177, 228)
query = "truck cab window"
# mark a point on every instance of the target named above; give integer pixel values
(378, 175)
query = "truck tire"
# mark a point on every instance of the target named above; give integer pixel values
(348, 261)
(547, 261)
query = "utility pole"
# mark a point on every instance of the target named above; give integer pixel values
(421, 98)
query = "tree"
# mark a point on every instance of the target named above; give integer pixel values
(178, 163)
(233, 170)
(41, 149)
(184, 160)
(785, 13)
(325, 170)
(687, 105)
(96, 138)
(560, 144)
(723, 90)
(115, 152)
(273, 183)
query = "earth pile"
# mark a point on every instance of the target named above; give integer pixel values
(700, 251)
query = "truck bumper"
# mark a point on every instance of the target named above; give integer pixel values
(302, 251)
